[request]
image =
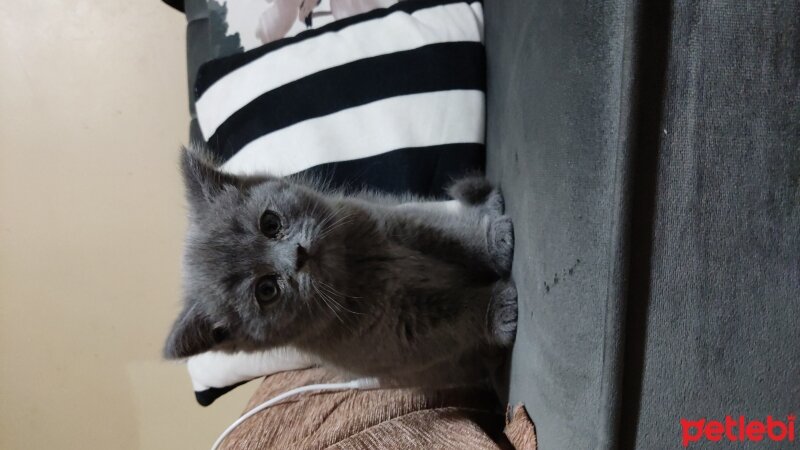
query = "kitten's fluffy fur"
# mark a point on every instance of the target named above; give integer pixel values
(374, 285)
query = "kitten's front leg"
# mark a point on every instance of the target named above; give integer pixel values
(501, 317)
(500, 244)
(485, 235)
(478, 193)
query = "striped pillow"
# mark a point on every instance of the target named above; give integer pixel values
(392, 99)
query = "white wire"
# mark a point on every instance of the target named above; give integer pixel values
(362, 383)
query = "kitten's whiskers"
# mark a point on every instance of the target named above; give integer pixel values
(325, 300)
(338, 223)
(335, 291)
(331, 293)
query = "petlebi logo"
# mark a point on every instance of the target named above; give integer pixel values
(738, 429)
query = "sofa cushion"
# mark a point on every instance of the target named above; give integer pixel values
(648, 152)
(553, 138)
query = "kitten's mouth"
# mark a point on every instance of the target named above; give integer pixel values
(321, 265)
(310, 259)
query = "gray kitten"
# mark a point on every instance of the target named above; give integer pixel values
(380, 286)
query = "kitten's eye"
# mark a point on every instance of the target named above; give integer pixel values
(267, 290)
(270, 224)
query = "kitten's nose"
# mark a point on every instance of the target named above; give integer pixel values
(302, 257)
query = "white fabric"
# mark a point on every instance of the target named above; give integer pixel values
(219, 370)
(335, 138)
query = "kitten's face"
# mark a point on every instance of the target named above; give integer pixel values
(257, 252)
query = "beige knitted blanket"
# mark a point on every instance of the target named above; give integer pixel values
(378, 419)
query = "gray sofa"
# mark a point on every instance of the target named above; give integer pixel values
(650, 157)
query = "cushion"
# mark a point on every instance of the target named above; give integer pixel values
(383, 418)
(393, 94)
(216, 373)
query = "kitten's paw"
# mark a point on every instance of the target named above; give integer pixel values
(477, 191)
(500, 244)
(501, 318)
(494, 204)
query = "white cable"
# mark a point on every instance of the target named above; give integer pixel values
(362, 383)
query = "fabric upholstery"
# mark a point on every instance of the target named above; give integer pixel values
(715, 328)
(355, 100)
(520, 430)
(650, 157)
(553, 139)
(386, 418)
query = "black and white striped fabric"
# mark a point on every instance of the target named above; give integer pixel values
(391, 99)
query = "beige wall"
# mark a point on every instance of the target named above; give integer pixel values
(92, 112)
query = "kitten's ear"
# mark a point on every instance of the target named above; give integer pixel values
(202, 181)
(192, 333)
